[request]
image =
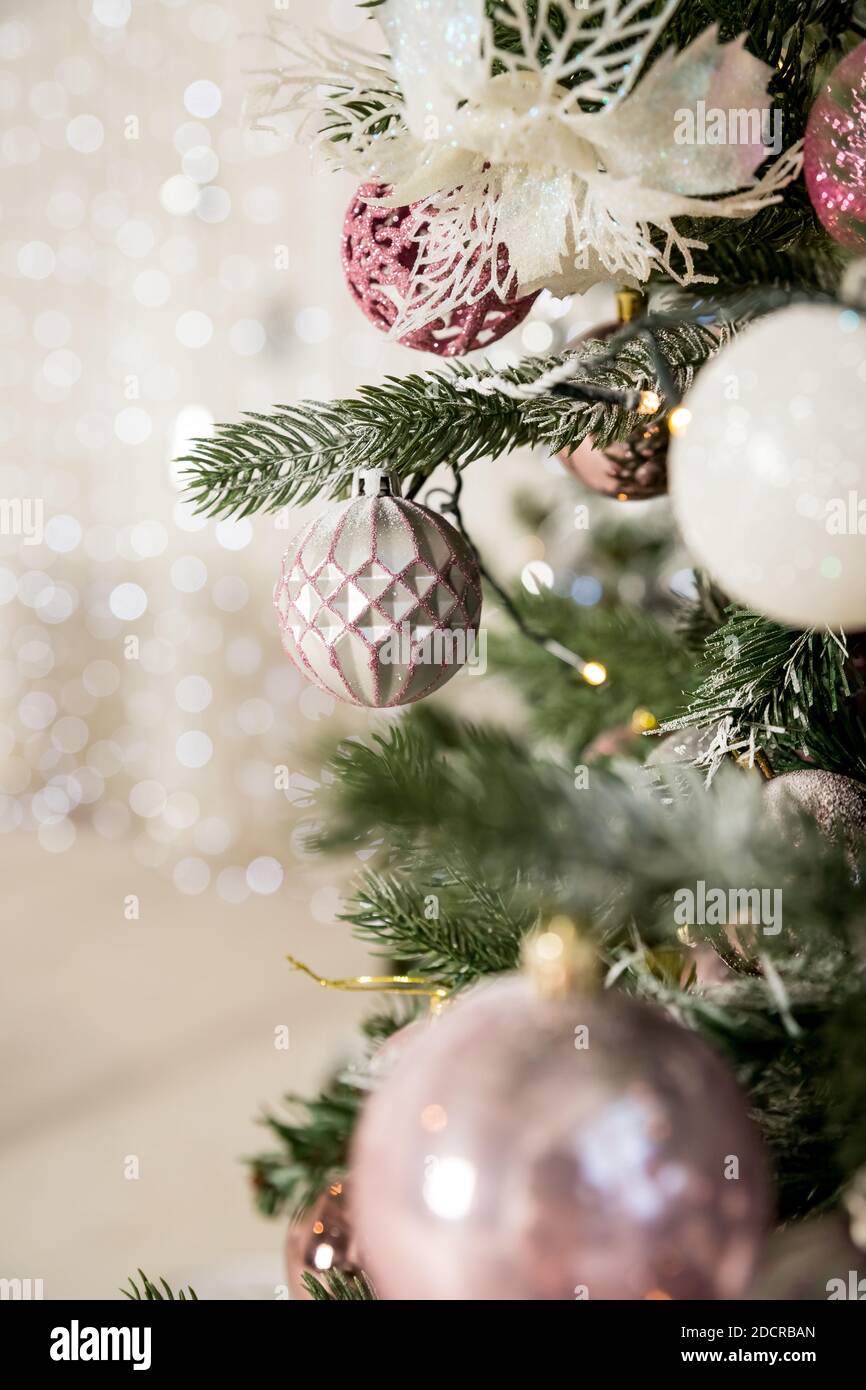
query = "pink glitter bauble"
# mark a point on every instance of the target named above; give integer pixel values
(524, 1148)
(835, 152)
(321, 1240)
(379, 250)
(378, 599)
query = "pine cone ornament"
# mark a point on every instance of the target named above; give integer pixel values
(630, 470)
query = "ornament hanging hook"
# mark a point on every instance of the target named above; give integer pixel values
(415, 985)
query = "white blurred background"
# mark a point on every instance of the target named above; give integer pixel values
(162, 268)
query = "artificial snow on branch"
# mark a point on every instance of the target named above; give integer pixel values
(766, 686)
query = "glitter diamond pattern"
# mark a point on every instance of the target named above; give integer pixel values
(378, 601)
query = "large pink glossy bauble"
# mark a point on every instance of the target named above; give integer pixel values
(378, 601)
(379, 249)
(385, 1058)
(504, 1160)
(835, 152)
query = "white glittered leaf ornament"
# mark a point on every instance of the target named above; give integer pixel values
(550, 147)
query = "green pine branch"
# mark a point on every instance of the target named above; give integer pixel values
(451, 928)
(313, 1147)
(786, 691)
(648, 667)
(611, 851)
(415, 423)
(151, 1292)
(434, 782)
(335, 1287)
(698, 619)
(780, 246)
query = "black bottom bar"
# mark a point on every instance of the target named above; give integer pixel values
(80, 1339)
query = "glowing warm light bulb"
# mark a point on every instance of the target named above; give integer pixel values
(594, 673)
(549, 945)
(679, 420)
(643, 720)
(559, 959)
(650, 402)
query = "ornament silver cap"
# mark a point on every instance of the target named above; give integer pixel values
(372, 482)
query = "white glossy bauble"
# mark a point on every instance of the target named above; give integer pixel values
(768, 480)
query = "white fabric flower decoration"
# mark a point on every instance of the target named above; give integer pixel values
(542, 144)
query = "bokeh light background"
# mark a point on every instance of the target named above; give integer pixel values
(161, 267)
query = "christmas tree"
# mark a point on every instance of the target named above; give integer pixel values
(664, 881)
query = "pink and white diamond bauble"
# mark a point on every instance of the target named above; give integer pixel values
(378, 599)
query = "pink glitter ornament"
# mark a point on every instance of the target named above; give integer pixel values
(321, 1240)
(378, 599)
(379, 250)
(835, 152)
(527, 1148)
